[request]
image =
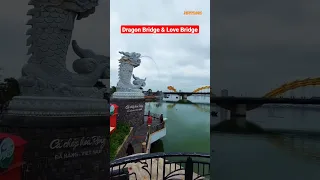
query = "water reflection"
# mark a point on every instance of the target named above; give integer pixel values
(260, 157)
(282, 156)
(183, 127)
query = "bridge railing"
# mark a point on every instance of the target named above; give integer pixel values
(162, 166)
(157, 122)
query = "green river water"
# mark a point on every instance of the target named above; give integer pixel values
(188, 128)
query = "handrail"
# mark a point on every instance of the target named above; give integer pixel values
(156, 127)
(189, 166)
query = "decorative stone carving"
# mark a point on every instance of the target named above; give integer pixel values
(48, 87)
(139, 83)
(125, 89)
(57, 106)
(45, 73)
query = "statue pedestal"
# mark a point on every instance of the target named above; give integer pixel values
(131, 107)
(128, 95)
(67, 138)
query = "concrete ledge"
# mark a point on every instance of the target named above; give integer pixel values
(63, 122)
(121, 152)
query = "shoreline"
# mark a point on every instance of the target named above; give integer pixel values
(189, 102)
(230, 127)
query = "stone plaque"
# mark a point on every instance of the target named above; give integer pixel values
(64, 152)
(130, 111)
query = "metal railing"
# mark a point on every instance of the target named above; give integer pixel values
(156, 127)
(162, 166)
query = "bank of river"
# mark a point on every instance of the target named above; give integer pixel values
(188, 127)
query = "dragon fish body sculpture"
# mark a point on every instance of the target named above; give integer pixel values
(128, 62)
(45, 73)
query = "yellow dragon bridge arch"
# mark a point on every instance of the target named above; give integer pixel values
(171, 88)
(292, 85)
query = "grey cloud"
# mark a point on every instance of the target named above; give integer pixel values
(171, 52)
(259, 45)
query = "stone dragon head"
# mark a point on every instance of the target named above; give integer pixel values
(132, 58)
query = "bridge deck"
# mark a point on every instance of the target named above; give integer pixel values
(187, 93)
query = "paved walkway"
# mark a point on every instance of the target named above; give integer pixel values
(141, 134)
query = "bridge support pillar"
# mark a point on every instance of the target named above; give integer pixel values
(184, 97)
(223, 114)
(239, 114)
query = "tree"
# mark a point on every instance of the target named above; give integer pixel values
(8, 90)
(13, 88)
(113, 89)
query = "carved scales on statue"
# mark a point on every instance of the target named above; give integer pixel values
(126, 89)
(45, 74)
(48, 87)
(128, 62)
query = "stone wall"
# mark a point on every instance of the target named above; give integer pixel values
(131, 111)
(56, 149)
(122, 150)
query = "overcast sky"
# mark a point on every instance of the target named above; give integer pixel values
(259, 45)
(182, 61)
(91, 32)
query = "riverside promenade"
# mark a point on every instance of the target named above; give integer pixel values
(141, 133)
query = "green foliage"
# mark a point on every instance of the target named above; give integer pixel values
(10, 89)
(113, 89)
(117, 138)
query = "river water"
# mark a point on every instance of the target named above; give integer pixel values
(188, 126)
(249, 157)
(266, 157)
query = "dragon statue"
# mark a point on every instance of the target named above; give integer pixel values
(128, 62)
(45, 73)
(138, 83)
